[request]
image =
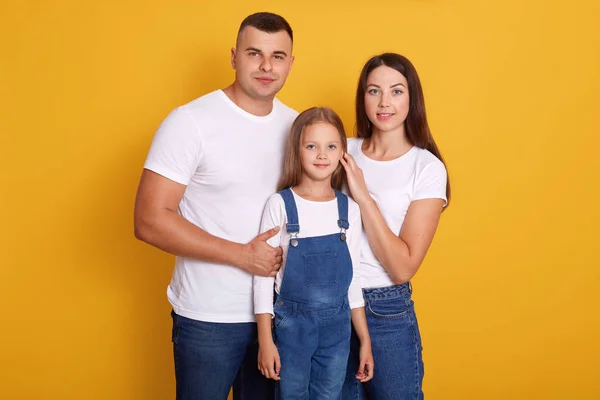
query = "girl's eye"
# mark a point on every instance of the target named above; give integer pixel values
(310, 146)
(332, 147)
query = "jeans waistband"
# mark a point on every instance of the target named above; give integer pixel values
(388, 292)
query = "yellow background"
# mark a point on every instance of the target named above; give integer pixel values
(508, 296)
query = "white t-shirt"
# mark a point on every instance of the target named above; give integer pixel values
(393, 185)
(230, 161)
(316, 218)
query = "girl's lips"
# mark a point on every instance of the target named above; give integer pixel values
(321, 165)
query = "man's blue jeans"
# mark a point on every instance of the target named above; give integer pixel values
(212, 357)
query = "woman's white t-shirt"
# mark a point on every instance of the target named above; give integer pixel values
(393, 185)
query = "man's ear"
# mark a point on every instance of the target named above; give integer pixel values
(233, 53)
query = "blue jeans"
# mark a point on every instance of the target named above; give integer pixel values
(211, 357)
(397, 349)
(313, 346)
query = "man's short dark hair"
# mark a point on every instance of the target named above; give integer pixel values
(267, 22)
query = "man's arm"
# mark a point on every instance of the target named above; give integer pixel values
(157, 223)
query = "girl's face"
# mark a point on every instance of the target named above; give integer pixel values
(386, 99)
(320, 151)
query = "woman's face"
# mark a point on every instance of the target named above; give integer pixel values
(386, 99)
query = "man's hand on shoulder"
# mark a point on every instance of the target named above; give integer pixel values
(259, 258)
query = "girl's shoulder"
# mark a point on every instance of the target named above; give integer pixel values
(275, 201)
(353, 209)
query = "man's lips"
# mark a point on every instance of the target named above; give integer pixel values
(265, 79)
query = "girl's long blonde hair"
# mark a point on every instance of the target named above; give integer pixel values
(292, 166)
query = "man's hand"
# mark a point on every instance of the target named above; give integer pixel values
(259, 257)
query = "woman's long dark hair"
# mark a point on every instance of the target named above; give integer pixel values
(416, 127)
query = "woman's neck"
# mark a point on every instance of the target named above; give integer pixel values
(383, 146)
(314, 190)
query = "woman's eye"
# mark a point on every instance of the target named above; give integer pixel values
(397, 91)
(373, 91)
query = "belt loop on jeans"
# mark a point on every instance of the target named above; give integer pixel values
(409, 287)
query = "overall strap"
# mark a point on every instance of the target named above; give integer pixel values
(342, 201)
(292, 225)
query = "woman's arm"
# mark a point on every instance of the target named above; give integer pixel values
(401, 255)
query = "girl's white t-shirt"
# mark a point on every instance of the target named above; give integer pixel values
(393, 185)
(316, 218)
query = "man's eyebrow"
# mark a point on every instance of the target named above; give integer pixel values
(279, 52)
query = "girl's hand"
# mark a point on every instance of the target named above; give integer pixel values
(367, 365)
(356, 180)
(269, 363)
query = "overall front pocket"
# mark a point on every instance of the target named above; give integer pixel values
(320, 269)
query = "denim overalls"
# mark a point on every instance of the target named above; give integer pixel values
(312, 314)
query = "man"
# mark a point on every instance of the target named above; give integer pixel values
(211, 167)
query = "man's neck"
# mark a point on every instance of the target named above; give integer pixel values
(251, 105)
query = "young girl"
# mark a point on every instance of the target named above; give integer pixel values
(397, 176)
(318, 282)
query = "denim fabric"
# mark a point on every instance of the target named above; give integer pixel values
(211, 357)
(397, 348)
(312, 314)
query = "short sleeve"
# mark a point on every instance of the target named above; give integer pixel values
(176, 149)
(431, 182)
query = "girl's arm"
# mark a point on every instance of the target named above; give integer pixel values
(366, 365)
(401, 255)
(355, 296)
(269, 362)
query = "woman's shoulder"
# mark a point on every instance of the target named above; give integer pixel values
(427, 160)
(354, 145)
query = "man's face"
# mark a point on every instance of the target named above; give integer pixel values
(262, 62)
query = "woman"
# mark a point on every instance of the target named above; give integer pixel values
(397, 176)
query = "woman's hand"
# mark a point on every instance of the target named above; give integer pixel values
(356, 180)
(269, 363)
(366, 366)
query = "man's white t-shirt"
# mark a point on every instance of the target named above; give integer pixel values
(230, 161)
(393, 185)
(316, 218)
